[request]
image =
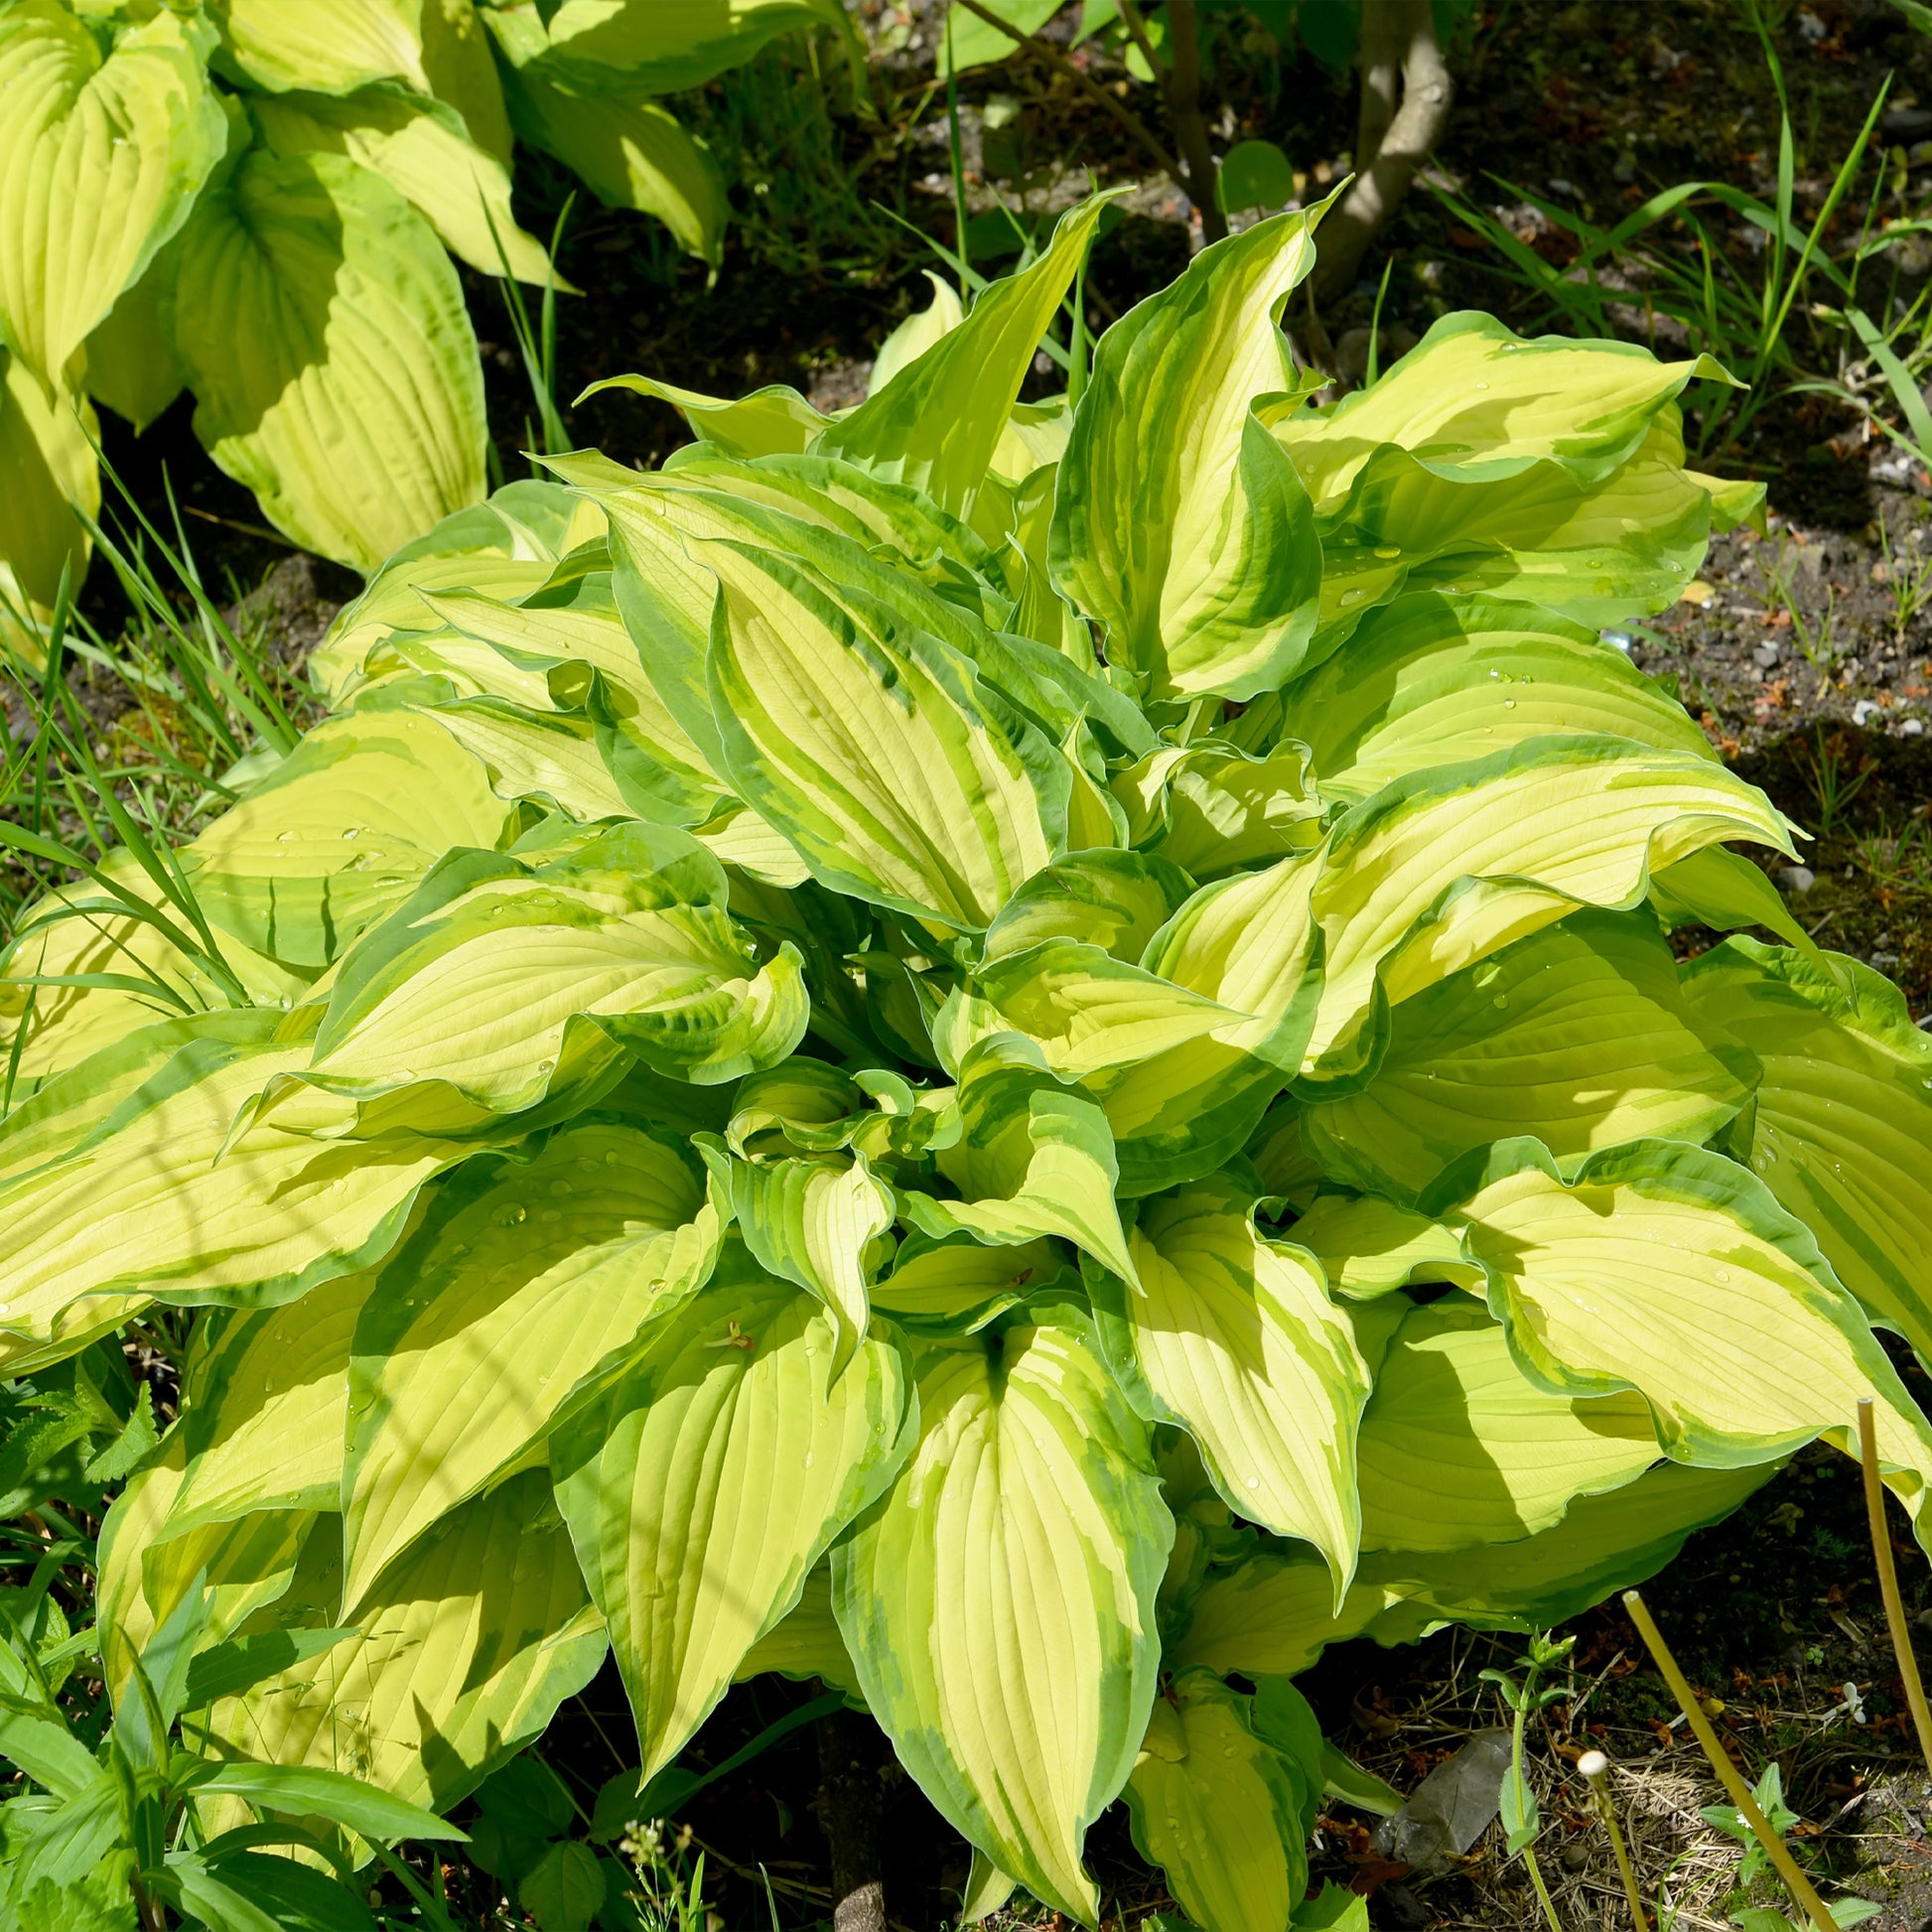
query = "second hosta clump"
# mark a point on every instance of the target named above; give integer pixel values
(1024, 1056)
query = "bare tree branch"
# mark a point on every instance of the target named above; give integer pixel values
(1181, 85)
(1408, 136)
(1050, 56)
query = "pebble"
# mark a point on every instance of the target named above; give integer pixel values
(1864, 711)
(1884, 962)
(1912, 727)
(1765, 657)
(1796, 880)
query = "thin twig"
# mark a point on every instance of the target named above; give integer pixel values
(1775, 1848)
(1901, 1640)
(1051, 56)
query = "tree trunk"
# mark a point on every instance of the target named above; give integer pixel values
(850, 1815)
(1392, 142)
(1182, 84)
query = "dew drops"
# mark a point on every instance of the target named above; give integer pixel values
(1387, 551)
(1509, 704)
(510, 1216)
(545, 1068)
(1724, 1277)
(1501, 999)
(352, 831)
(1254, 1483)
(612, 1158)
(1352, 597)
(286, 838)
(1482, 385)
(550, 1217)
(1495, 674)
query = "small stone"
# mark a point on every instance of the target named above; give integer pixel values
(1863, 712)
(1765, 657)
(1796, 880)
(1884, 962)
(1912, 727)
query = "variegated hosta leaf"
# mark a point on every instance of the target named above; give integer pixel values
(816, 1224)
(805, 1642)
(938, 426)
(1195, 546)
(711, 1481)
(1458, 1447)
(147, 1570)
(1601, 551)
(162, 1204)
(477, 981)
(1236, 1339)
(1577, 1035)
(1440, 869)
(421, 148)
(47, 471)
(917, 333)
(631, 153)
(462, 70)
(131, 364)
(1218, 1809)
(1086, 1010)
(1033, 1158)
(897, 774)
(999, 1604)
(1273, 1615)
(339, 833)
(463, 1656)
(85, 973)
(1435, 680)
(1842, 1133)
(657, 47)
(955, 1286)
(100, 162)
(266, 1408)
(1368, 1247)
(331, 354)
(1211, 809)
(529, 1279)
(1475, 400)
(1672, 1271)
(334, 48)
(553, 643)
(1116, 901)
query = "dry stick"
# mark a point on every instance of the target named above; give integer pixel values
(1596, 1769)
(1051, 56)
(1727, 1774)
(1901, 1642)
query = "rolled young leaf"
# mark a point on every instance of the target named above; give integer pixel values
(1179, 520)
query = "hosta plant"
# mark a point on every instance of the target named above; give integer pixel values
(252, 198)
(1024, 1056)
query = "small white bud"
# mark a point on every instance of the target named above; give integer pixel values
(1592, 1765)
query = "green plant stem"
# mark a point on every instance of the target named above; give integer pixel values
(1600, 1792)
(956, 156)
(1901, 1641)
(1522, 1788)
(1738, 1791)
(1181, 87)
